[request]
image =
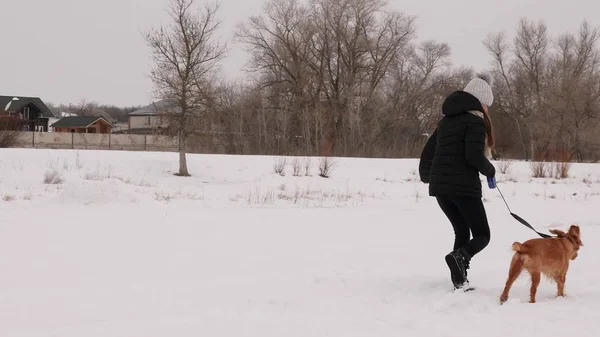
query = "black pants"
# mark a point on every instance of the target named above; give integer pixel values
(467, 216)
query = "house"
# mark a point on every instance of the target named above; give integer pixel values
(53, 120)
(101, 113)
(84, 124)
(150, 117)
(25, 113)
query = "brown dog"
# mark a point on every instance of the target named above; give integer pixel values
(544, 256)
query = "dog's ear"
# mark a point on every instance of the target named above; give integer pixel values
(575, 233)
(558, 232)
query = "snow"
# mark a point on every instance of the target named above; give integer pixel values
(123, 248)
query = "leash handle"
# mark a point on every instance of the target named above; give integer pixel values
(521, 220)
(491, 182)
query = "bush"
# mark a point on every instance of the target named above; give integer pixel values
(539, 169)
(504, 166)
(296, 167)
(307, 162)
(9, 132)
(279, 165)
(8, 138)
(326, 166)
(53, 177)
(562, 165)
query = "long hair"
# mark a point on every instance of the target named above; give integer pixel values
(489, 129)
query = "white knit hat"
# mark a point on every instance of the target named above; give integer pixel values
(481, 88)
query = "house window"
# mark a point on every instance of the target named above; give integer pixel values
(26, 113)
(147, 120)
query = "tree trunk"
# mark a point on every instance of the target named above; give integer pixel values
(183, 170)
(525, 154)
(328, 138)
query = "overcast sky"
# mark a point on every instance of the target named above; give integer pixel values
(67, 50)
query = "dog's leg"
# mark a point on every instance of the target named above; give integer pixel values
(535, 282)
(516, 266)
(560, 282)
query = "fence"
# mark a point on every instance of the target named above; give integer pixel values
(96, 141)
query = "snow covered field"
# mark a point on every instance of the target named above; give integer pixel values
(115, 245)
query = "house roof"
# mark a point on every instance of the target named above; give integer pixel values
(154, 108)
(103, 114)
(77, 122)
(15, 103)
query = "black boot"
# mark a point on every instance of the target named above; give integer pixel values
(458, 263)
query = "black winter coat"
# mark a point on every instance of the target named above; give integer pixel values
(454, 154)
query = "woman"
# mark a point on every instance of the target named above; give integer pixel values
(450, 163)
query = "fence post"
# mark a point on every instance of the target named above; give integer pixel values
(72, 140)
(145, 142)
(33, 140)
(109, 135)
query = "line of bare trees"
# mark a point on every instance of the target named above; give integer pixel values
(348, 78)
(548, 90)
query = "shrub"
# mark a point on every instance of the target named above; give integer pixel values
(279, 165)
(326, 166)
(53, 177)
(504, 166)
(539, 169)
(9, 134)
(296, 167)
(307, 162)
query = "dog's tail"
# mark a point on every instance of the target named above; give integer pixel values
(520, 248)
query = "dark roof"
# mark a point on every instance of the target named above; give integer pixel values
(20, 102)
(103, 114)
(154, 108)
(75, 122)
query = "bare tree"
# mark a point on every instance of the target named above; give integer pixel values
(186, 55)
(342, 77)
(548, 88)
(82, 108)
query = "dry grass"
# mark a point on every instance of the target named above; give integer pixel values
(296, 167)
(66, 166)
(307, 162)
(305, 197)
(259, 196)
(160, 195)
(385, 179)
(52, 163)
(78, 161)
(98, 175)
(417, 195)
(141, 182)
(53, 177)
(28, 195)
(8, 197)
(93, 175)
(166, 197)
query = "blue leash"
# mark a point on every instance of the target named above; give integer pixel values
(492, 184)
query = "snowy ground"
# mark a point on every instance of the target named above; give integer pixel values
(121, 247)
